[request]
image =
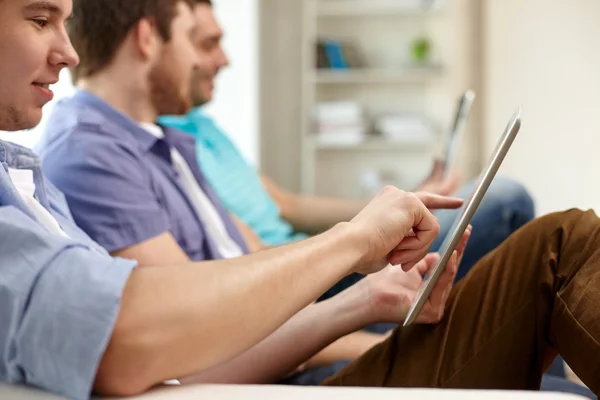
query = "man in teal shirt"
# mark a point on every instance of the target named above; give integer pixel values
(278, 217)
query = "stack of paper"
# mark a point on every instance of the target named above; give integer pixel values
(339, 123)
(407, 128)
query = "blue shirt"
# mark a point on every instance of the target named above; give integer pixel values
(237, 184)
(119, 180)
(59, 297)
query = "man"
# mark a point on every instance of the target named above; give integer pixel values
(279, 216)
(72, 318)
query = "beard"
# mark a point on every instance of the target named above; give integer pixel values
(13, 120)
(199, 78)
(165, 94)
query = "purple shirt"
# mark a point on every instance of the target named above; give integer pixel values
(119, 181)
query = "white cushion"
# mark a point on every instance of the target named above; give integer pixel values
(276, 392)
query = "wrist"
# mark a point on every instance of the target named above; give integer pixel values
(356, 307)
(353, 245)
(387, 303)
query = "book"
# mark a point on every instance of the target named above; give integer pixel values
(322, 60)
(338, 54)
(333, 50)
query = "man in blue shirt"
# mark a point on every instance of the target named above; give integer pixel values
(72, 318)
(279, 216)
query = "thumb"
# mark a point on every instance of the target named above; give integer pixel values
(426, 264)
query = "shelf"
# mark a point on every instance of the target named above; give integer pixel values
(376, 144)
(360, 8)
(362, 76)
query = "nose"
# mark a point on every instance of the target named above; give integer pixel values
(224, 59)
(63, 54)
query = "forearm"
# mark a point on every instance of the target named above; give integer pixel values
(182, 320)
(295, 342)
(316, 214)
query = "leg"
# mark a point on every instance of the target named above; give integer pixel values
(534, 295)
(505, 208)
(555, 384)
(314, 376)
(557, 368)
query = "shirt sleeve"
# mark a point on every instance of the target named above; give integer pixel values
(109, 194)
(59, 300)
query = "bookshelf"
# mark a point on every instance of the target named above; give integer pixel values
(357, 8)
(377, 144)
(389, 82)
(382, 76)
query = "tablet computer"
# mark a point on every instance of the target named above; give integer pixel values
(452, 139)
(464, 217)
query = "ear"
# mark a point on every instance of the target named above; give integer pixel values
(145, 38)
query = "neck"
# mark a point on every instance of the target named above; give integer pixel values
(124, 91)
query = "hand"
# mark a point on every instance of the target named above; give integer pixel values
(437, 183)
(398, 224)
(393, 290)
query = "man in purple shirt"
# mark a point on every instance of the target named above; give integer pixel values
(102, 150)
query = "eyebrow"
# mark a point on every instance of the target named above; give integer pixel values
(44, 6)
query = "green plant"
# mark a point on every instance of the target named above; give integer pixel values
(421, 50)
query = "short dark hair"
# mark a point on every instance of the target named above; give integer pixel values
(99, 27)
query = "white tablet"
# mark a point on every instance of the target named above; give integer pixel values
(464, 218)
(452, 139)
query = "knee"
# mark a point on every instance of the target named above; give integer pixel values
(511, 198)
(563, 224)
(573, 215)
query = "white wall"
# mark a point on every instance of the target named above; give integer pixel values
(235, 106)
(546, 55)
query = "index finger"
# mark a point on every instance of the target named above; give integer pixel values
(436, 201)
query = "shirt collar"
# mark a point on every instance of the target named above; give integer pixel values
(173, 137)
(154, 130)
(139, 134)
(17, 157)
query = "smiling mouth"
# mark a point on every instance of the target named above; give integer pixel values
(42, 85)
